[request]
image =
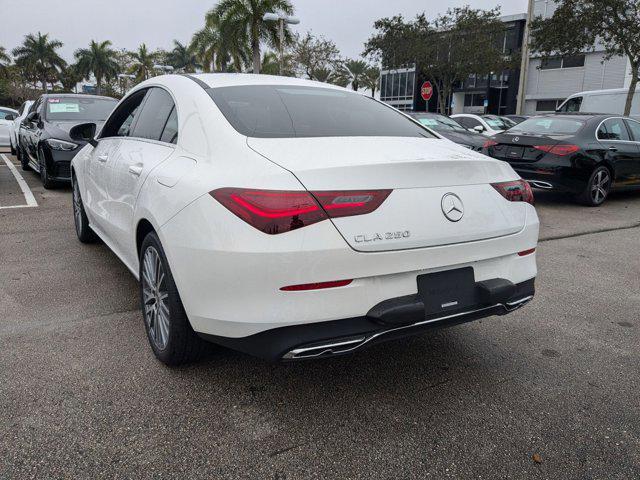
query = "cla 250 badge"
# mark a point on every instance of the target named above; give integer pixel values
(376, 237)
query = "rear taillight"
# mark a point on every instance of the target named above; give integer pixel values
(560, 150)
(316, 286)
(515, 191)
(490, 143)
(277, 211)
(524, 253)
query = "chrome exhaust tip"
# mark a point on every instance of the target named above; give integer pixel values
(540, 184)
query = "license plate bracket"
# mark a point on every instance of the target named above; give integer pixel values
(448, 291)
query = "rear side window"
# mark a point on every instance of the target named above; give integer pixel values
(468, 122)
(549, 126)
(272, 111)
(635, 129)
(613, 129)
(170, 132)
(154, 115)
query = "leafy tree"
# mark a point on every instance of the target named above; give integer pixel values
(462, 42)
(371, 79)
(38, 55)
(216, 50)
(183, 58)
(270, 64)
(70, 77)
(580, 25)
(313, 55)
(353, 72)
(142, 63)
(242, 21)
(98, 60)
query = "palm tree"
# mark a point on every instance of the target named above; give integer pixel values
(353, 72)
(270, 64)
(98, 60)
(143, 62)
(183, 57)
(70, 78)
(38, 55)
(4, 58)
(242, 20)
(371, 79)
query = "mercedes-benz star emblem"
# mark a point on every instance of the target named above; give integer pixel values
(452, 207)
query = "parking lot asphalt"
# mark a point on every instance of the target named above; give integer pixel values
(549, 392)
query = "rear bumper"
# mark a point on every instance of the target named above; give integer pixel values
(341, 337)
(550, 177)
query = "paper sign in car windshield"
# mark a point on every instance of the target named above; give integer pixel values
(429, 122)
(64, 108)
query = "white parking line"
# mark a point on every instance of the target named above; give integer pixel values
(26, 191)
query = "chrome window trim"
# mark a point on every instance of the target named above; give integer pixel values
(635, 142)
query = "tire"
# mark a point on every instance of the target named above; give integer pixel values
(13, 150)
(169, 332)
(44, 174)
(24, 159)
(83, 230)
(598, 187)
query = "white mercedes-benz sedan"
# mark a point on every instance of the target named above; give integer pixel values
(291, 219)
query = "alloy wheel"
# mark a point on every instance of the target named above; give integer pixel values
(155, 298)
(600, 186)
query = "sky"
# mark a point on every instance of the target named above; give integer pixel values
(128, 23)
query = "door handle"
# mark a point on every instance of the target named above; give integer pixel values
(613, 149)
(103, 158)
(135, 170)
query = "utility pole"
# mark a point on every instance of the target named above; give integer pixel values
(281, 19)
(524, 65)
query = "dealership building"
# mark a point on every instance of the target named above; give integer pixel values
(547, 82)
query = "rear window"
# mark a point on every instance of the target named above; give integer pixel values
(549, 126)
(271, 111)
(78, 108)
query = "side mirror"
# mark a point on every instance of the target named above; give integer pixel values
(85, 132)
(478, 129)
(10, 117)
(32, 117)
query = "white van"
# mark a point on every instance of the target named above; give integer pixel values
(602, 101)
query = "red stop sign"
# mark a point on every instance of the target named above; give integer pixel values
(426, 91)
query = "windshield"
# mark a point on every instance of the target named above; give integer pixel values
(549, 126)
(440, 123)
(497, 123)
(79, 108)
(273, 111)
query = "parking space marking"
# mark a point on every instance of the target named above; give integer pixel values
(26, 191)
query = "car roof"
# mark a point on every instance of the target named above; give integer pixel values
(7, 109)
(215, 80)
(585, 115)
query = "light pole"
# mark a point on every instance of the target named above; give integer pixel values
(281, 18)
(163, 68)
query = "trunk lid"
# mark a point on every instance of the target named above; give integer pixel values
(520, 147)
(421, 172)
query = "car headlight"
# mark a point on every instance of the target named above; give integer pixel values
(56, 144)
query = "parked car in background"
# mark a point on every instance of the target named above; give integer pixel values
(15, 126)
(610, 101)
(6, 120)
(517, 118)
(584, 154)
(323, 204)
(44, 143)
(450, 129)
(486, 125)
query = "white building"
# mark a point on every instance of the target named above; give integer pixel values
(550, 82)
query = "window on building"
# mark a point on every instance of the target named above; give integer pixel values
(546, 105)
(569, 61)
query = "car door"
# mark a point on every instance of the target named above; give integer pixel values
(30, 131)
(99, 167)
(620, 150)
(150, 143)
(634, 167)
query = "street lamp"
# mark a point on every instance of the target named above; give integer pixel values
(281, 18)
(163, 68)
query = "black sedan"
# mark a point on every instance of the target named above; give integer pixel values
(450, 129)
(44, 144)
(587, 155)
